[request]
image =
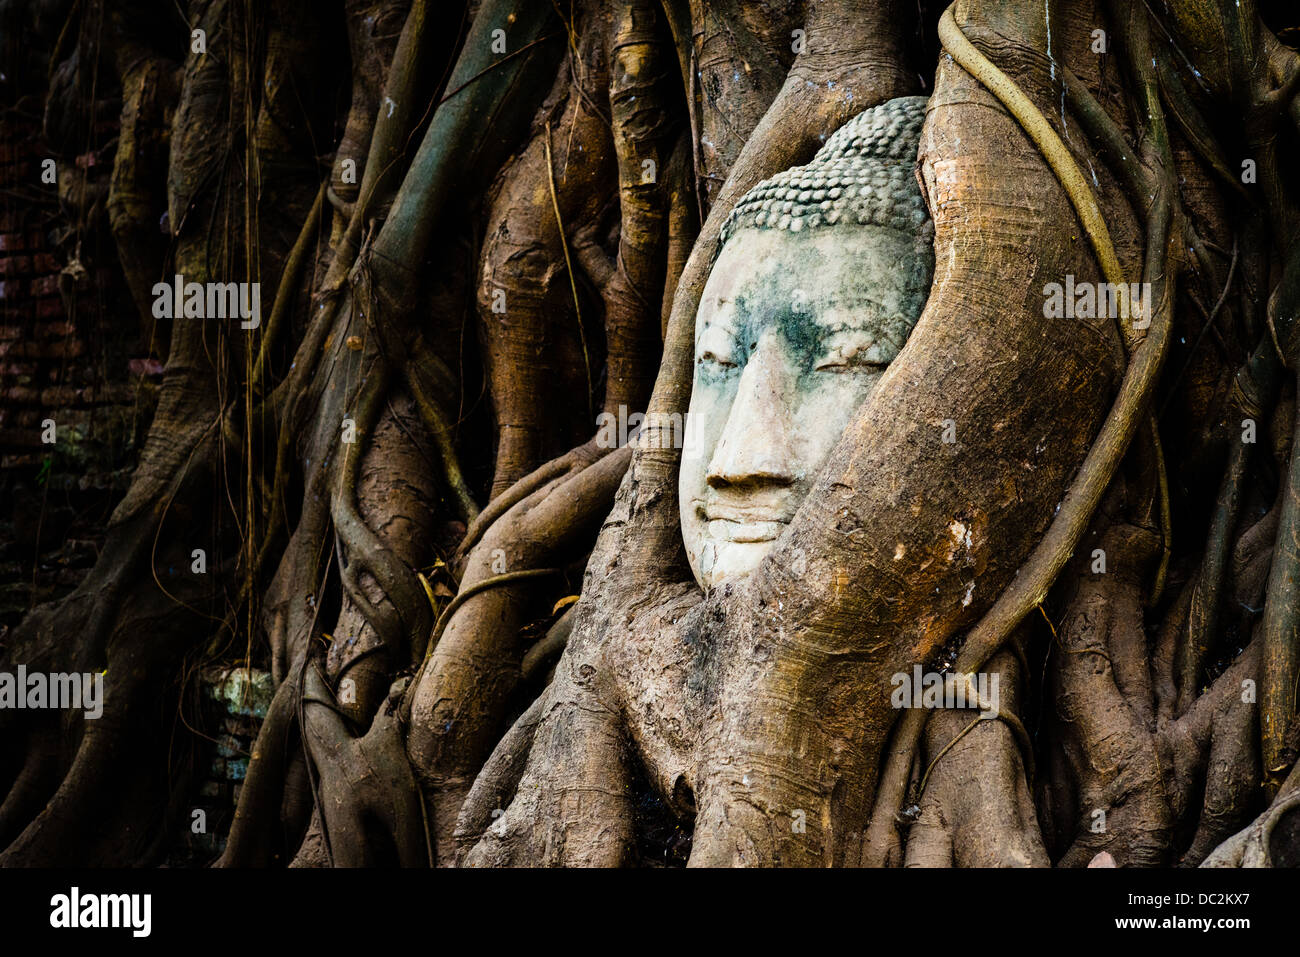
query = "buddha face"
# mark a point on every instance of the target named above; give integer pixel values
(793, 332)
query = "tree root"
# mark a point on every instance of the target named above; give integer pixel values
(1271, 840)
(368, 801)
(458, 702)
(975, 809)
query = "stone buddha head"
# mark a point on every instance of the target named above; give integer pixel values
(820, 274)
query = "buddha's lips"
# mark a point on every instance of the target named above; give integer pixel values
(745, 532)
(727, 523)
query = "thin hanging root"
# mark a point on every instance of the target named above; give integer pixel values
(284, 296)
(439, 426)
(1166, 516)
(1031, 584)
(925, 778)
(284, 293)
(568, 266)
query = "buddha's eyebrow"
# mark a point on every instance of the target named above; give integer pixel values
(867, 324)
(852, 304)
(860, 314)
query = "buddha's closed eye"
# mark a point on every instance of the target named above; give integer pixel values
(711, 357)
(853, 350)
(716, 349)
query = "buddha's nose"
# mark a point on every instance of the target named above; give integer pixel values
(756, 446)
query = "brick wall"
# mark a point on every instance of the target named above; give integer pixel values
(68, 334)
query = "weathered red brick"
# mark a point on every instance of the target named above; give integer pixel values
(63, 395)
(53, 330)
(16, 311)
(21, 438)
(19, 173)
(67, 348)
(22, 395)
(45, 286)
(10, 289)
(69, 418)
(117, 393)
(11, 242)
(15, 265)
(43, 349)
(49, 308)
(19, 461)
